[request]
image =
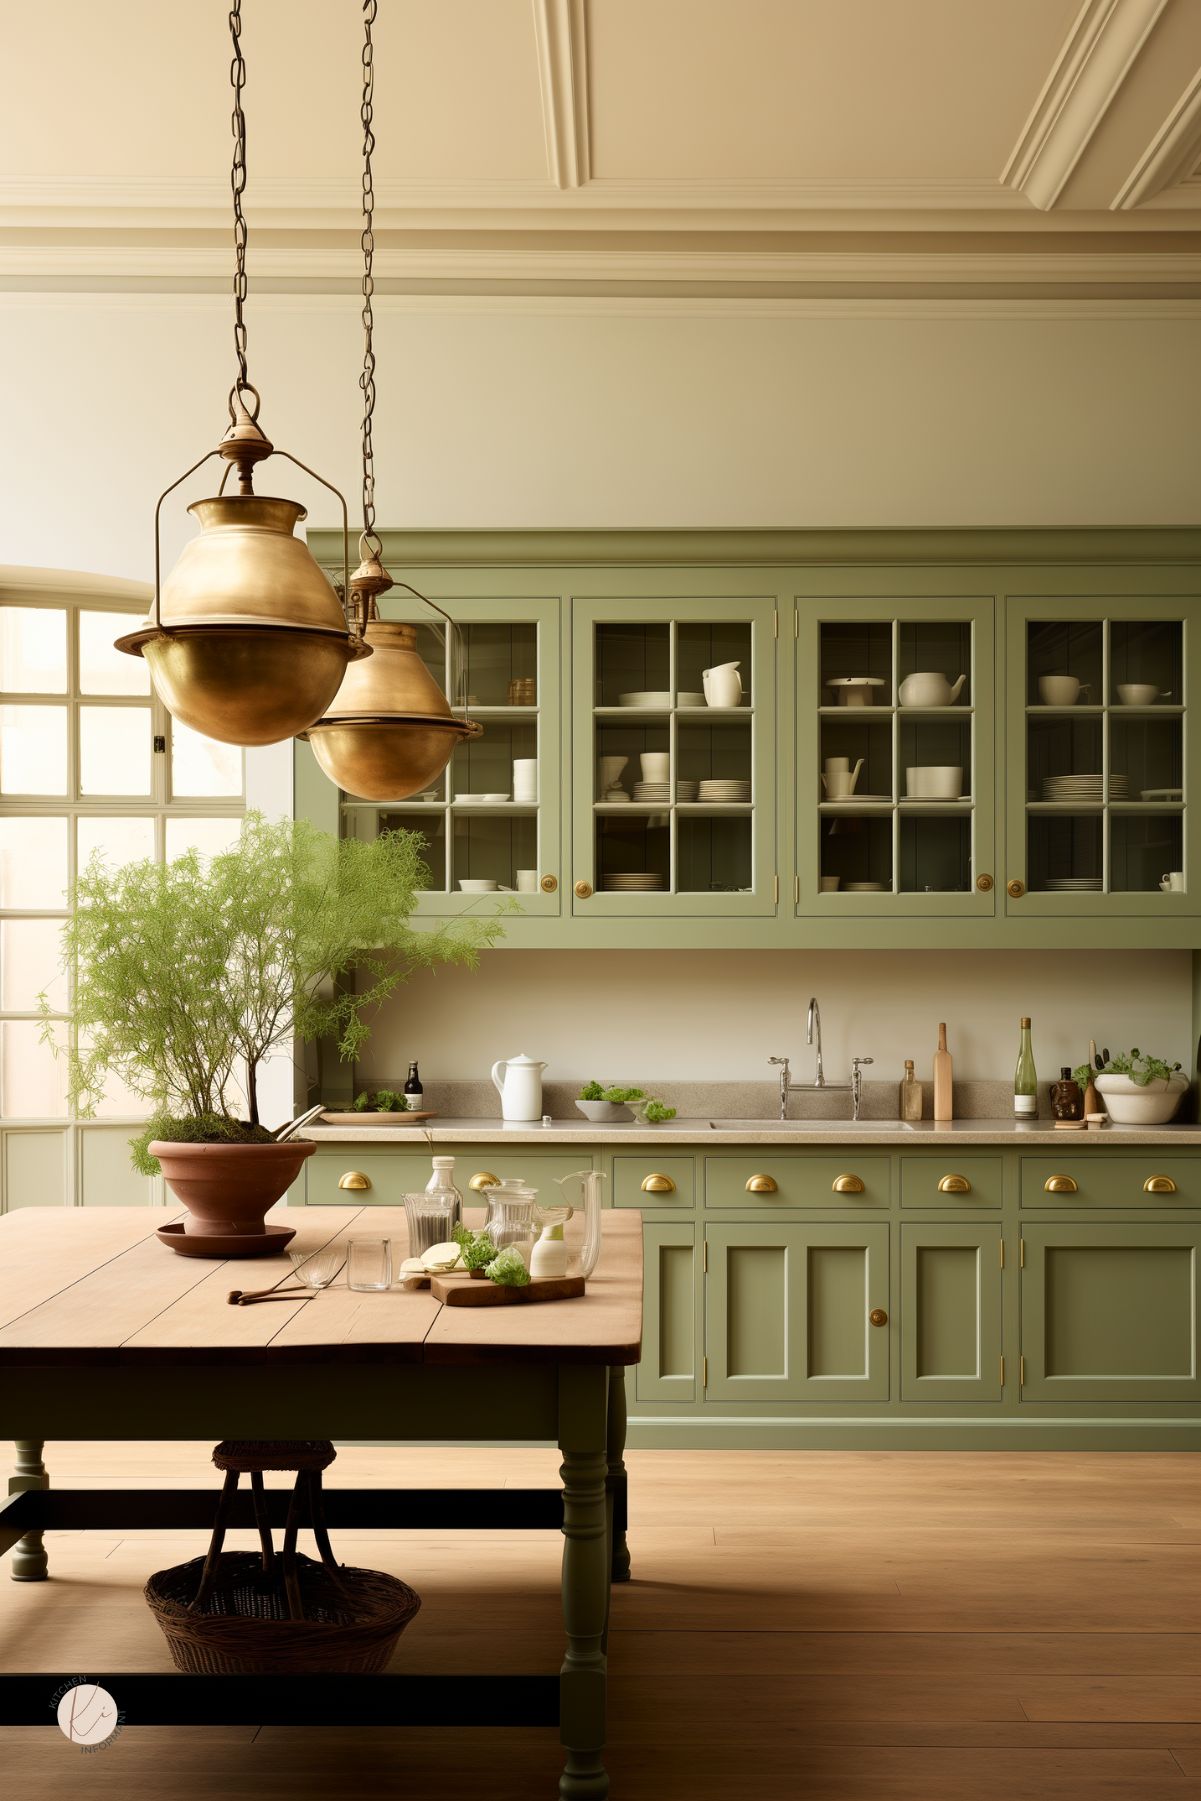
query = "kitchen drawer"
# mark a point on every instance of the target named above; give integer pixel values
(1100, 1179)
(395, 1173)
(630, 1173)
(797, 1181)
(939, 1181)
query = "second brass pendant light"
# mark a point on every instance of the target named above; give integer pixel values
(390, 730)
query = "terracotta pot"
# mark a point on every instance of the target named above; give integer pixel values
(227, 1188)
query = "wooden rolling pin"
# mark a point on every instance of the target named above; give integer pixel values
(943, 1098)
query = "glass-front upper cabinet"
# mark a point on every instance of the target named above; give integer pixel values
(674, 757)
(895, 758)
(491, 820)
(1098, 809)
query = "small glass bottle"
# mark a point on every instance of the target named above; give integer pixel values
(911, 1094)
(1067, 1102)
(442, 1185)
(1025, 1078)
(413, 1092)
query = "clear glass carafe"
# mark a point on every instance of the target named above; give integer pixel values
(514, 1217)
(583, 1234)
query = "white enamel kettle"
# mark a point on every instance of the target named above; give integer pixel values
(518, 1081)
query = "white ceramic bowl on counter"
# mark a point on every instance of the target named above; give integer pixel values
(1132, 1104)
(605, 1113)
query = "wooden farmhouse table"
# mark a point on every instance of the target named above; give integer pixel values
(105, 1333)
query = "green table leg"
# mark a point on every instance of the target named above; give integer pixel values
(616, 1482)
(28, 1562)
(583, 1433)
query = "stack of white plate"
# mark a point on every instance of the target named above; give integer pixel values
(686, 790)
(1085, 787)
(642, 882)
(652, 791)
(1074, 884)
(691, 700)
(728, 791)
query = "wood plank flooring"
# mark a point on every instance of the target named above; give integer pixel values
(801, 1627)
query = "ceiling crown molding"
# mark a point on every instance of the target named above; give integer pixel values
(1170, 157)
(561, 35)
(1096, 58)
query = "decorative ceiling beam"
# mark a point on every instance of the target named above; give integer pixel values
(1172, 154)
(561, 35)
(1098, 54)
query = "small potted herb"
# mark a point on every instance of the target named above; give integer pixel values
(1138, 1090)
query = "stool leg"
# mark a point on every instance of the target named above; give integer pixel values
(263, 1522)
(291, 1528)
(213, 1560)
(317, 1520)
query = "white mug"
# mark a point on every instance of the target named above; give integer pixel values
(1172, 881)
(527, 881)
(525, 778)
(829, 884)
(656, 765)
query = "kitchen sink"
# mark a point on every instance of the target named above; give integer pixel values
(806, 1125)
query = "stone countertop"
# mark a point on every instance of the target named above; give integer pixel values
(692, 1132)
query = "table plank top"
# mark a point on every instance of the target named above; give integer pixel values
(87, 1286)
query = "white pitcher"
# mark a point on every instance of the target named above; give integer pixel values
(723, 685)
(518, 1081)
(838, 778)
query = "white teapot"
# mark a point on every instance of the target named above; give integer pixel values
(519, 1088)
(929, 689)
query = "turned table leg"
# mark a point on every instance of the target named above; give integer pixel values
(28, 1562)
(616, 1480)
(583, 1431)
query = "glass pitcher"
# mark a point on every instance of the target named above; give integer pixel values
(514, 1216)
(584, 1236)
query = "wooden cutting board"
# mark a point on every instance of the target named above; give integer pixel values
(374, 1119)
(471, 1291)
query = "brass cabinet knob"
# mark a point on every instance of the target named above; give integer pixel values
(583, 890)
(847, 1185)
(984, 883)
(354, 1179)
(656, 1183)
(762, 1185)
(549, 883)
(878, 1317)
(1061, 1185)
(954, 1185)
(1159, 1185)
(483, 1178)
(1015, 890)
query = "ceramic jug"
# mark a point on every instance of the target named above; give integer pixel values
(929, 689)
(838, 778)
(723, 685)
(518, 1081)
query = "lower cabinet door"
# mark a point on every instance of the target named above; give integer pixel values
(1110, 1311)
(950, 1311)
(788, 1311)
(670, 1348)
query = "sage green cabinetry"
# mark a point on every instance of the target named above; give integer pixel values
(392, 1171)
(951, 1346)
(775, 1179)
(672, 1329)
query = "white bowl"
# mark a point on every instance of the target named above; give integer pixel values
(1058, 690)
(475, 885)
(1138, 694)
(934, 781)
(646, 697)
(494, 797)
(1130, 1104)
(605, 1113)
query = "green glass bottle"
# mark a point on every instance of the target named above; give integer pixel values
(1025, 1078)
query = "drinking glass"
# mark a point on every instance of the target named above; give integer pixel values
(369, 1265)
(317, 1269)
(430, 1218)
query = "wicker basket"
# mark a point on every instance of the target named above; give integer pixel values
(351, 1624)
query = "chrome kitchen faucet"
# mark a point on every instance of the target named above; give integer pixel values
(813, 1035)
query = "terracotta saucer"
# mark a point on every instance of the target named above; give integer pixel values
(265, 1244)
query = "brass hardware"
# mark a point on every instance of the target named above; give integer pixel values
(705, 1372)
(549, 883)
(761, 1185)
(1159, 1185)
(1022, 1372)
(954, 1185)
(1015, 890)
(1061, 1185)
(984, 883)
(583, 890)
(1021, 1253)
(705, 1264)
(482, 1179)
(657, 1184)
(796, 890)
(1002, 1372)
(847, 1185)
(878, 1317)
(354, 1179)
(775, 625)
(1001, 1242)
(775, 889)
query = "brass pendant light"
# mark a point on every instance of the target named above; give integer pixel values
(246, 641)
(390, 732)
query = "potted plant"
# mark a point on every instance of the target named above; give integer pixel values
(1138, 1090)
(188, 975)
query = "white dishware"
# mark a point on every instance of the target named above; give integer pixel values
(646, 697)
(723, 685)
(525, 779)
(494, 799)
(856, 690)
(476, 885)
(1060, 690)
(470, 800)
(610, 773)
(655, 764)
(926, 688)
(1161, 794)
(527, 881)
(1140, 694)
(934, 781)
(605, 1113)
(519, 1087)
(864, 887)
(838, 778)
(687, 699)
(829, 884)
(1133, 1104)
(1172, 881)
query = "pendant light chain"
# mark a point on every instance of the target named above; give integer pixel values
(237, 182)
(367, 240)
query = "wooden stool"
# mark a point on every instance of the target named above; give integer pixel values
(307, 1457)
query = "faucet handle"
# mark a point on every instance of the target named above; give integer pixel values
(857, 1062)
(783, 1060)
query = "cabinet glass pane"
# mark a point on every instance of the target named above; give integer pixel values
(936, 759)
(33, 862)
(500, 664)
(102, 668)
(33, 750)
(856, 854)
(1146, 757)
(932, 654)
(1146, 662)
(31, 964)
(483, 771)
(620, 769)
(114, 750)
(856, 759)
(708, 646)
(935, 853)
(1064, 761)
(33, 650)
(633, 853)
(1145, 849)
(208, 836)
(201, 767)
(487, 848)
(33, 1081)
(1064, 662)
(118, 841)
(431, 825)
(856, 664)
(714, 855)
(633, 666)
(1065, 853)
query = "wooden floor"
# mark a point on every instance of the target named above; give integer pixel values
(801, 1627)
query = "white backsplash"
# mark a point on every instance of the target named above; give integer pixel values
(709, 1016)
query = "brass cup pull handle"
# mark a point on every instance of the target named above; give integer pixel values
(1015, 890)
(1061, 1185)
(1159, 1185)
(954, 1185)
(847, 1185)
(354, 1179)
(656, 1183)
(583, 890)
(549, 883)
(878, 1317)
(483, 1178)
(762, 1185)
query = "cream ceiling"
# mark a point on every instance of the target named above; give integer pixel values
(704, 146)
